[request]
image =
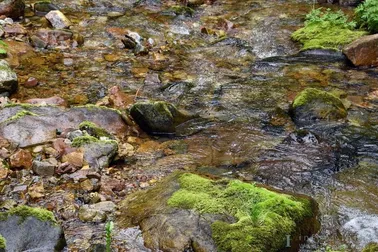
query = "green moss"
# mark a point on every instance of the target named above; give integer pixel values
(181, 10)
(3, 242)
(323, 35)
(83, 140)
(263, 218)
(310, 94)
(94, 130)
(26, 211)
(371, 247)
(21, 114)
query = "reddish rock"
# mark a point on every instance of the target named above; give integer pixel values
(14, 29)
(109, 185)
(31, 82)
(22, 159)
(12, 8)
(55, 100)
(117, 32)
(119, 99)
(51, 38)
(363, 51)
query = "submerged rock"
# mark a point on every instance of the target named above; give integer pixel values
(12, 8)
(27, 125)
(43, 7)
(363, 51)
(8, 79)
(312, 105)
(187, 212)
(31, 229)
(157, 117)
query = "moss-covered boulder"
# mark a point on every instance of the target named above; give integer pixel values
(312, 105)
(190, 212)
(157, 117)
(31, 229)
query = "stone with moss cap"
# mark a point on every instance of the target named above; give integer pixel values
(94, 130)
(157, 117)
(97, 153)
(28, 228)
(26, 211)
(312, 105)
(224, 215)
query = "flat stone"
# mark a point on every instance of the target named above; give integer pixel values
(42, 127)
(22, 159)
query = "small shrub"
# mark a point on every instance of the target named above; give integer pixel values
(367, 15)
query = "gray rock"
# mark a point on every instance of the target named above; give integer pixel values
(99, 154)
(58, 20)
(45, 167)
(8, 79)
(31, 234)
(41, 126)
(97, 212)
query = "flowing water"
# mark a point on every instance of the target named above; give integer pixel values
(241, 85)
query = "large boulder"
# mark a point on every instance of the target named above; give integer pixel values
(31, 229)
(27, 125)
(312, 105)
(363, 51)
(12, 8)
(157, 117)
(8, 79)
(187, 212)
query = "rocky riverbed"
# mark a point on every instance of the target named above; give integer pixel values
(192, 126)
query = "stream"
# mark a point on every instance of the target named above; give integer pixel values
(241, 87)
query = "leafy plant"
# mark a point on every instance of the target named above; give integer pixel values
(367, 15)
(109, 229)
(338, 18)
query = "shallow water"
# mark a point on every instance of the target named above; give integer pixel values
(242, 86)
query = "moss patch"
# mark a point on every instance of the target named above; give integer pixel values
(26, 211)
(371, 247)
(3, 242)
(325, 36)
(21, 114)
(309, 94)
(94, 130)
(83, 140)
(263, 218)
